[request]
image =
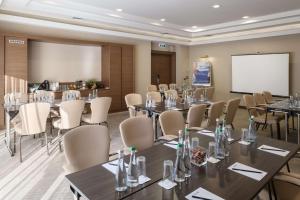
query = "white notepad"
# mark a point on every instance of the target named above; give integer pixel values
(274, 150)
(171, 144)
(202, 193)
(255, 176)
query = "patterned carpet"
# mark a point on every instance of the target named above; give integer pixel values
(42, 177)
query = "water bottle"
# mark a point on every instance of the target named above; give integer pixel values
(121, 175)
(252, 132)
(220, 142)
(132, 174)
(179, 170)
(187, 153)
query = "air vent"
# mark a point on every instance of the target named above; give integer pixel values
(76, 18)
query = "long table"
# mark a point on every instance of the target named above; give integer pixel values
(98, 183)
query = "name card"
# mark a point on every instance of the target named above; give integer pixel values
(21, 42)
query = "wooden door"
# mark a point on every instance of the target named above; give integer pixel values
(163, 67)
(2, 43)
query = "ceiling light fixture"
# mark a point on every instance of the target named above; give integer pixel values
(245, 17)
(249, 21)
(193, 30)
(156, 24)
(194, 26)
(162, 19)
(50, 2)
(216, 6)
(114, 15)
(119, 9)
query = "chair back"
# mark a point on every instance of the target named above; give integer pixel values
(138, 132)
(163, 87)
(171, 122)
(86, 146)
(40, 94)
(154, 96)
(100, 107)
(171, 93)
(210, 93)
(131, 100)
(198, 92)
(268, 96)
(195, 115)
(215, 111)
(172, 86)
(250, 102)
(66, 93)
(152, 88)
(231, 109)
(34, 117)
(70, 112)
(259, 99)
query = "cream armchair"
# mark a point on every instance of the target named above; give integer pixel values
(171, 122)
(131, 100)
(195, 115)
(154, 96)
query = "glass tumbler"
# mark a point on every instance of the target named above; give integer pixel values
(168, 170)
(244, 134)
(141, 164)
(211, 150)
(195, 143)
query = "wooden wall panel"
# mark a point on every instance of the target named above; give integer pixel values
(16, 61)
(127, 73)
(2, 43)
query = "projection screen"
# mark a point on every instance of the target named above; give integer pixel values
(256, 73)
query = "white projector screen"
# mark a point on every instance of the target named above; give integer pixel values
(256, 73)
(63, 62)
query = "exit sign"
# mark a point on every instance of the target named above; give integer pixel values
(162, 45)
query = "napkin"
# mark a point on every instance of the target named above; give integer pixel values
(244, 142)
(213, 160)
(171, 144)
(143, 179)
(230, 139)
(280, 152)
(200, 192)
(207, 133)
(167, 184)
(255, 176)
(112, 166)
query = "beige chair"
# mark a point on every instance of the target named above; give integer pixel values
(195, 115)
(171, 122)
(75, 93)
(163, 87)
(172, 93)
(287, 186)
(152, 88)
(99, 111)
(33, 121)
(261, 116)
(215, 111)
(198, 92)
(131, 100)
(269, 97)
(259, 99)
(210, 93)
(138, 132)
(70, 112)
(154, 96)
(86, 146)
(172, 86)
(230, 110)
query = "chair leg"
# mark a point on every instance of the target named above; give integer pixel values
(232, 126)
(270, 192)
(20, 142)
(288, 167)
(271, 130)
(274, 191)
(59, 140)
(278, 131)
(46, 140)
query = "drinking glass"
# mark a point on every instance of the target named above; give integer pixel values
(141, 164)
(195, 142)
(168, 170)
(244, 134)
(228, 131)
(211, 150)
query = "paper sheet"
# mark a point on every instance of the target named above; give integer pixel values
(280, 152)
(255, 176)
(171, 144)
(200, 192)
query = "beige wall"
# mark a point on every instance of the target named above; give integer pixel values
(220, 56)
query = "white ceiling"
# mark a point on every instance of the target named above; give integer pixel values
(141, 19)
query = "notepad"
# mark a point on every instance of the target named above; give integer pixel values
(207, 133)
(274, 150)
(256, 174)
(201, 193)
(171, 144)
(112, 166)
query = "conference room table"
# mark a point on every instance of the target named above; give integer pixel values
(285, 107)
(12, 110)
(160, 107)
(99, 183)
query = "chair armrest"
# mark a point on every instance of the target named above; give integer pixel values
(131, 107)
(288, 177)
(257, 108)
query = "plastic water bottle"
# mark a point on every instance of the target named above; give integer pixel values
(187, 153)
(132, 174)
(179, 170)
(121, 175)
(252, 131)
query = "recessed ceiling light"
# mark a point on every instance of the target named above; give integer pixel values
(114, 15)
(156, 24)
(216, 6)
(119, 9)
(162, 19)
(50, 2)
(245, 17)
(193, 30)
(249, 21)
(194, 26)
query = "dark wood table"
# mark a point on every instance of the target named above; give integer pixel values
(284, 106)
(221, 181)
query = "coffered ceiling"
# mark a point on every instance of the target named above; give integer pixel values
(178, 21)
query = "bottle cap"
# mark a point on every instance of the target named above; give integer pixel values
(179, 145)
(132, 148)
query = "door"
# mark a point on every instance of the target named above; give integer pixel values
(163, 66)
